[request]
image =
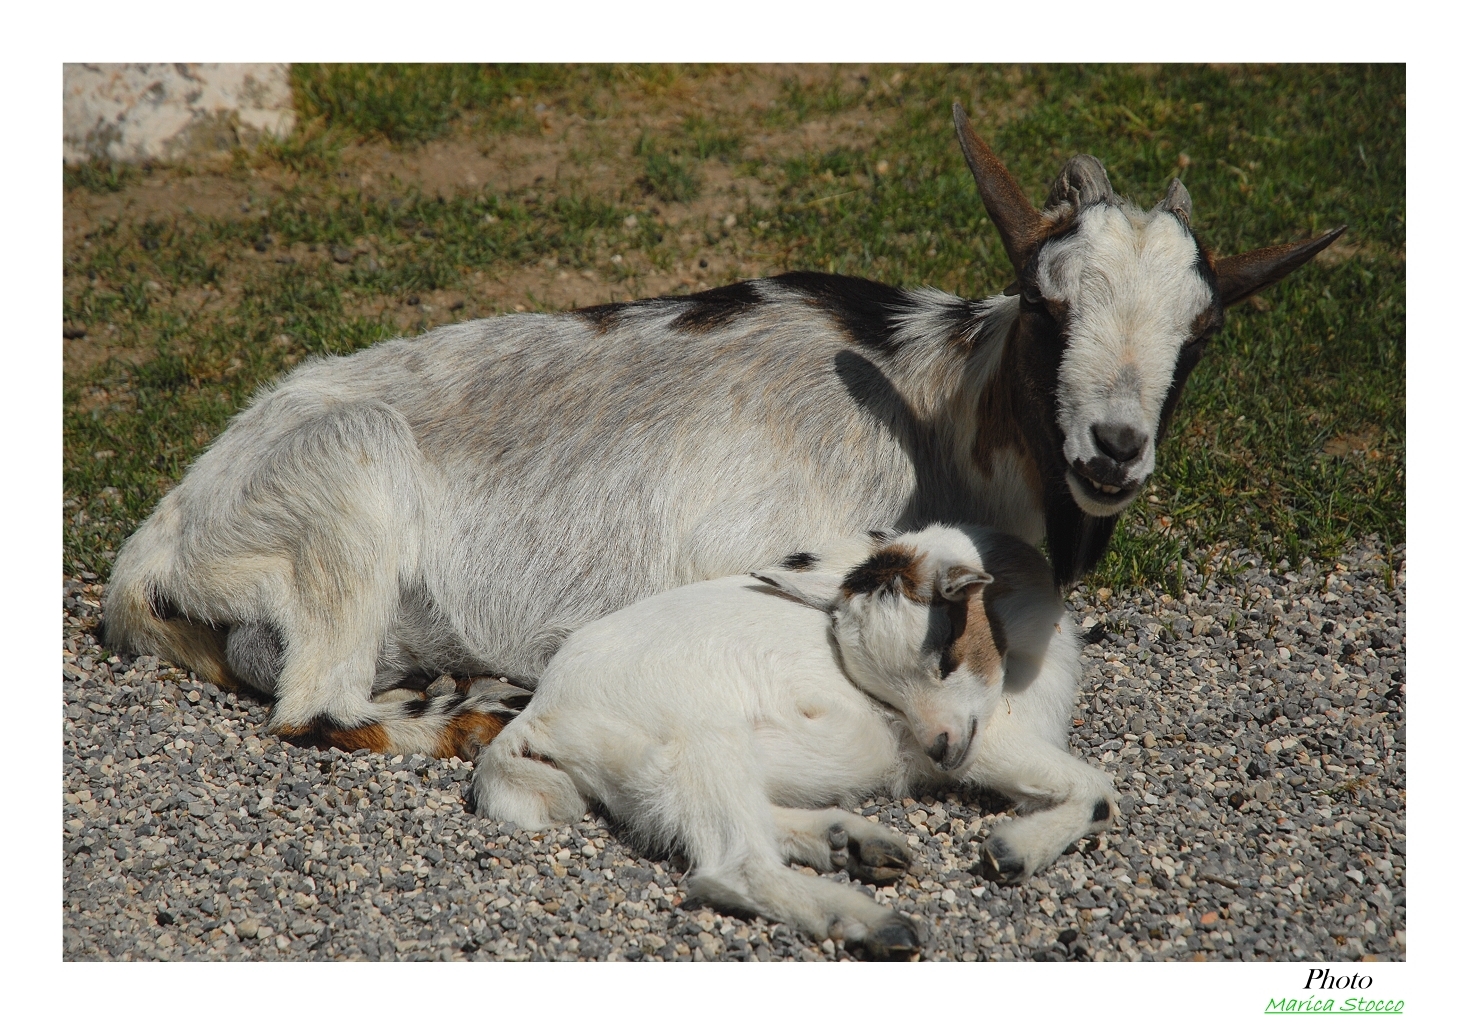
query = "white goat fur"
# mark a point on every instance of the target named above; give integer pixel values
(729, 721)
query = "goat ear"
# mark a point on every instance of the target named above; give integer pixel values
(957, 582)
(1178, 201)
(817, 589)
(1017, 221)
(1242, 275)
(1082, 182)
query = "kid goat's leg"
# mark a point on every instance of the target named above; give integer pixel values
(1071, 799)
(709, 797)
(830, 839)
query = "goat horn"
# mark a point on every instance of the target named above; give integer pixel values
(1082, 182)
(1011, 212)
(1242, 275)
(1178, 201)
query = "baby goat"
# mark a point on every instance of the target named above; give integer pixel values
(733, 719)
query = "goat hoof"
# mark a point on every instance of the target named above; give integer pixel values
(1000, 864)
(879, 860)
(896, 940)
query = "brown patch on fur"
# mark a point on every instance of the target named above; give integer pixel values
(999, 419)
(198, 647)
(996, 426)
(978, 647)
(369, 737)
(465, 734)
(892, 568)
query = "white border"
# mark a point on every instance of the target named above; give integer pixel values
(758, 31)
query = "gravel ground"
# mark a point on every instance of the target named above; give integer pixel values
(1255, 730)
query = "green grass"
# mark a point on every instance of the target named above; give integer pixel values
(1290, 439)
(100, 176)
(667, 174)
(407, 103)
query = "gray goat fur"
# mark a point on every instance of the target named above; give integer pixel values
(461, 501)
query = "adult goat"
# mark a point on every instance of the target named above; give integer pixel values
(461, 501)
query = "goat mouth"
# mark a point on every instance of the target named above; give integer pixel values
(957, 756)
(1107, 497)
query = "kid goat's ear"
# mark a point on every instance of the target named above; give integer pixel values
(958, 582)
(817, 589)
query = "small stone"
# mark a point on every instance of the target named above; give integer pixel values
(1149, 739)
(248, 928)
(1209, 918)
(730, 221)
(341, 254)
(630, 221)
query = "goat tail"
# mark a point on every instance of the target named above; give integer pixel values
(450, 725)
(139, 618)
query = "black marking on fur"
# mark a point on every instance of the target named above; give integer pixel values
(531, 755)
(717, 307)
(515, 701)
(800, 561)
(444, 705)
(161, 606)
(603, 317)
(1077, 541)
(948, 620)
(1101, 811)
(884, 571)
(864, 309)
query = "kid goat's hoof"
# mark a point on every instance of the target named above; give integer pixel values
(837, 839)
(878, 860)
(896, 940)
(1001, 864)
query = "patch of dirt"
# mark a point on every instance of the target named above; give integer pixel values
(1360, 444)
(210, 190)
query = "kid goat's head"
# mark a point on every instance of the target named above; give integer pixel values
(915, 630)
(1115, 305)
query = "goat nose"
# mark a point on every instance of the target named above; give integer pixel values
(939, 748)
(1120, 442)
